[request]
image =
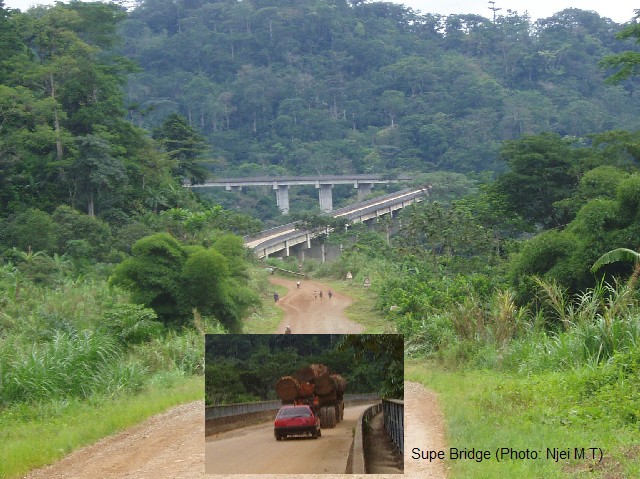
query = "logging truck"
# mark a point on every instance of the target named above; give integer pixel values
(318, 388)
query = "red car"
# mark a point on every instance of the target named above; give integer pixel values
(296, 421)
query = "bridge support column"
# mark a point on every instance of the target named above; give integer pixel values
(364, 189)
(326, 198)
(282, 198)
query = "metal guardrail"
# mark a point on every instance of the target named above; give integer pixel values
(212, 412)
(393, 410)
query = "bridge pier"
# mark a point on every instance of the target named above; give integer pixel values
(282, 198)
(364, 189)
(325, 196)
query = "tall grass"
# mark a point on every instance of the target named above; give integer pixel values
(567, 332)
(70, 365)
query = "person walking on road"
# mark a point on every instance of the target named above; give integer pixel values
(298, 284)
(315, 294)
(330, 293)
(276, 296)
(321, 295)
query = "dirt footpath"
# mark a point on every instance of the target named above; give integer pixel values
(306, 312)
(172, 445)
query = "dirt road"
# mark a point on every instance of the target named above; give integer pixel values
(306, 312)
(172, 445)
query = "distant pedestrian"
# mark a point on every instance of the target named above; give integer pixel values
(330, 293)
(298, 284)
(315, 294)
(321, 294)
(276, 296)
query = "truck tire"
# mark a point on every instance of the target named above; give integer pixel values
(331, 417)
(339, 411)
(323, 416)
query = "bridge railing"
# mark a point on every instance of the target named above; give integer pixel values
(393, 410)
(373, 201)
(269, 232)
(212, 412)
(349, 212)
(344, 179)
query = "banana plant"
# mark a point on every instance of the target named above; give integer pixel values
(618, 254)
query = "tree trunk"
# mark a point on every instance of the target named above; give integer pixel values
(90, 206)
(56, 119)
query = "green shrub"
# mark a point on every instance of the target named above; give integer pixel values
(133, 323)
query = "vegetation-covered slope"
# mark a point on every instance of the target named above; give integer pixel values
(319, 86)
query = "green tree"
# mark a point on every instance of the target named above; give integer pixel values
(626, 63)
(96, 171)
(385, 350)
(204, 274)
(543, 169)
(183, 145)
(174, 279)
(73, 226)
(30, 230)
(153, 275)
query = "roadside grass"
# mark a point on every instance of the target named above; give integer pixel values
(363, 310)
(266, 319)
(489, 410)
(39, 434)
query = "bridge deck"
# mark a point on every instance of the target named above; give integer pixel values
(285, 236)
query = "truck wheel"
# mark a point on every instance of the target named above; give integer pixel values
(331, 417)
(339, 411)
(323, 416)
(278, 437)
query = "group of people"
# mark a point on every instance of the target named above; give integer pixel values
(316, 293)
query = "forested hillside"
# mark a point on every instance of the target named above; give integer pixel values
(319, 86)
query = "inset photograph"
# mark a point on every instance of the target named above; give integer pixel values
(304, 404)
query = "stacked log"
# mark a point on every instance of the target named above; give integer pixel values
(305, 390)
(332, 384)
(309, 373)
(287, 388)
(311, 380)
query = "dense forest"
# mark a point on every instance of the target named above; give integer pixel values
(334, 86)
(245, 368)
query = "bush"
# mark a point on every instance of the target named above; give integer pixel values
(133, 323)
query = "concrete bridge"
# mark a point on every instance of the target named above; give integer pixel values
(283, 239)
(323, 183)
